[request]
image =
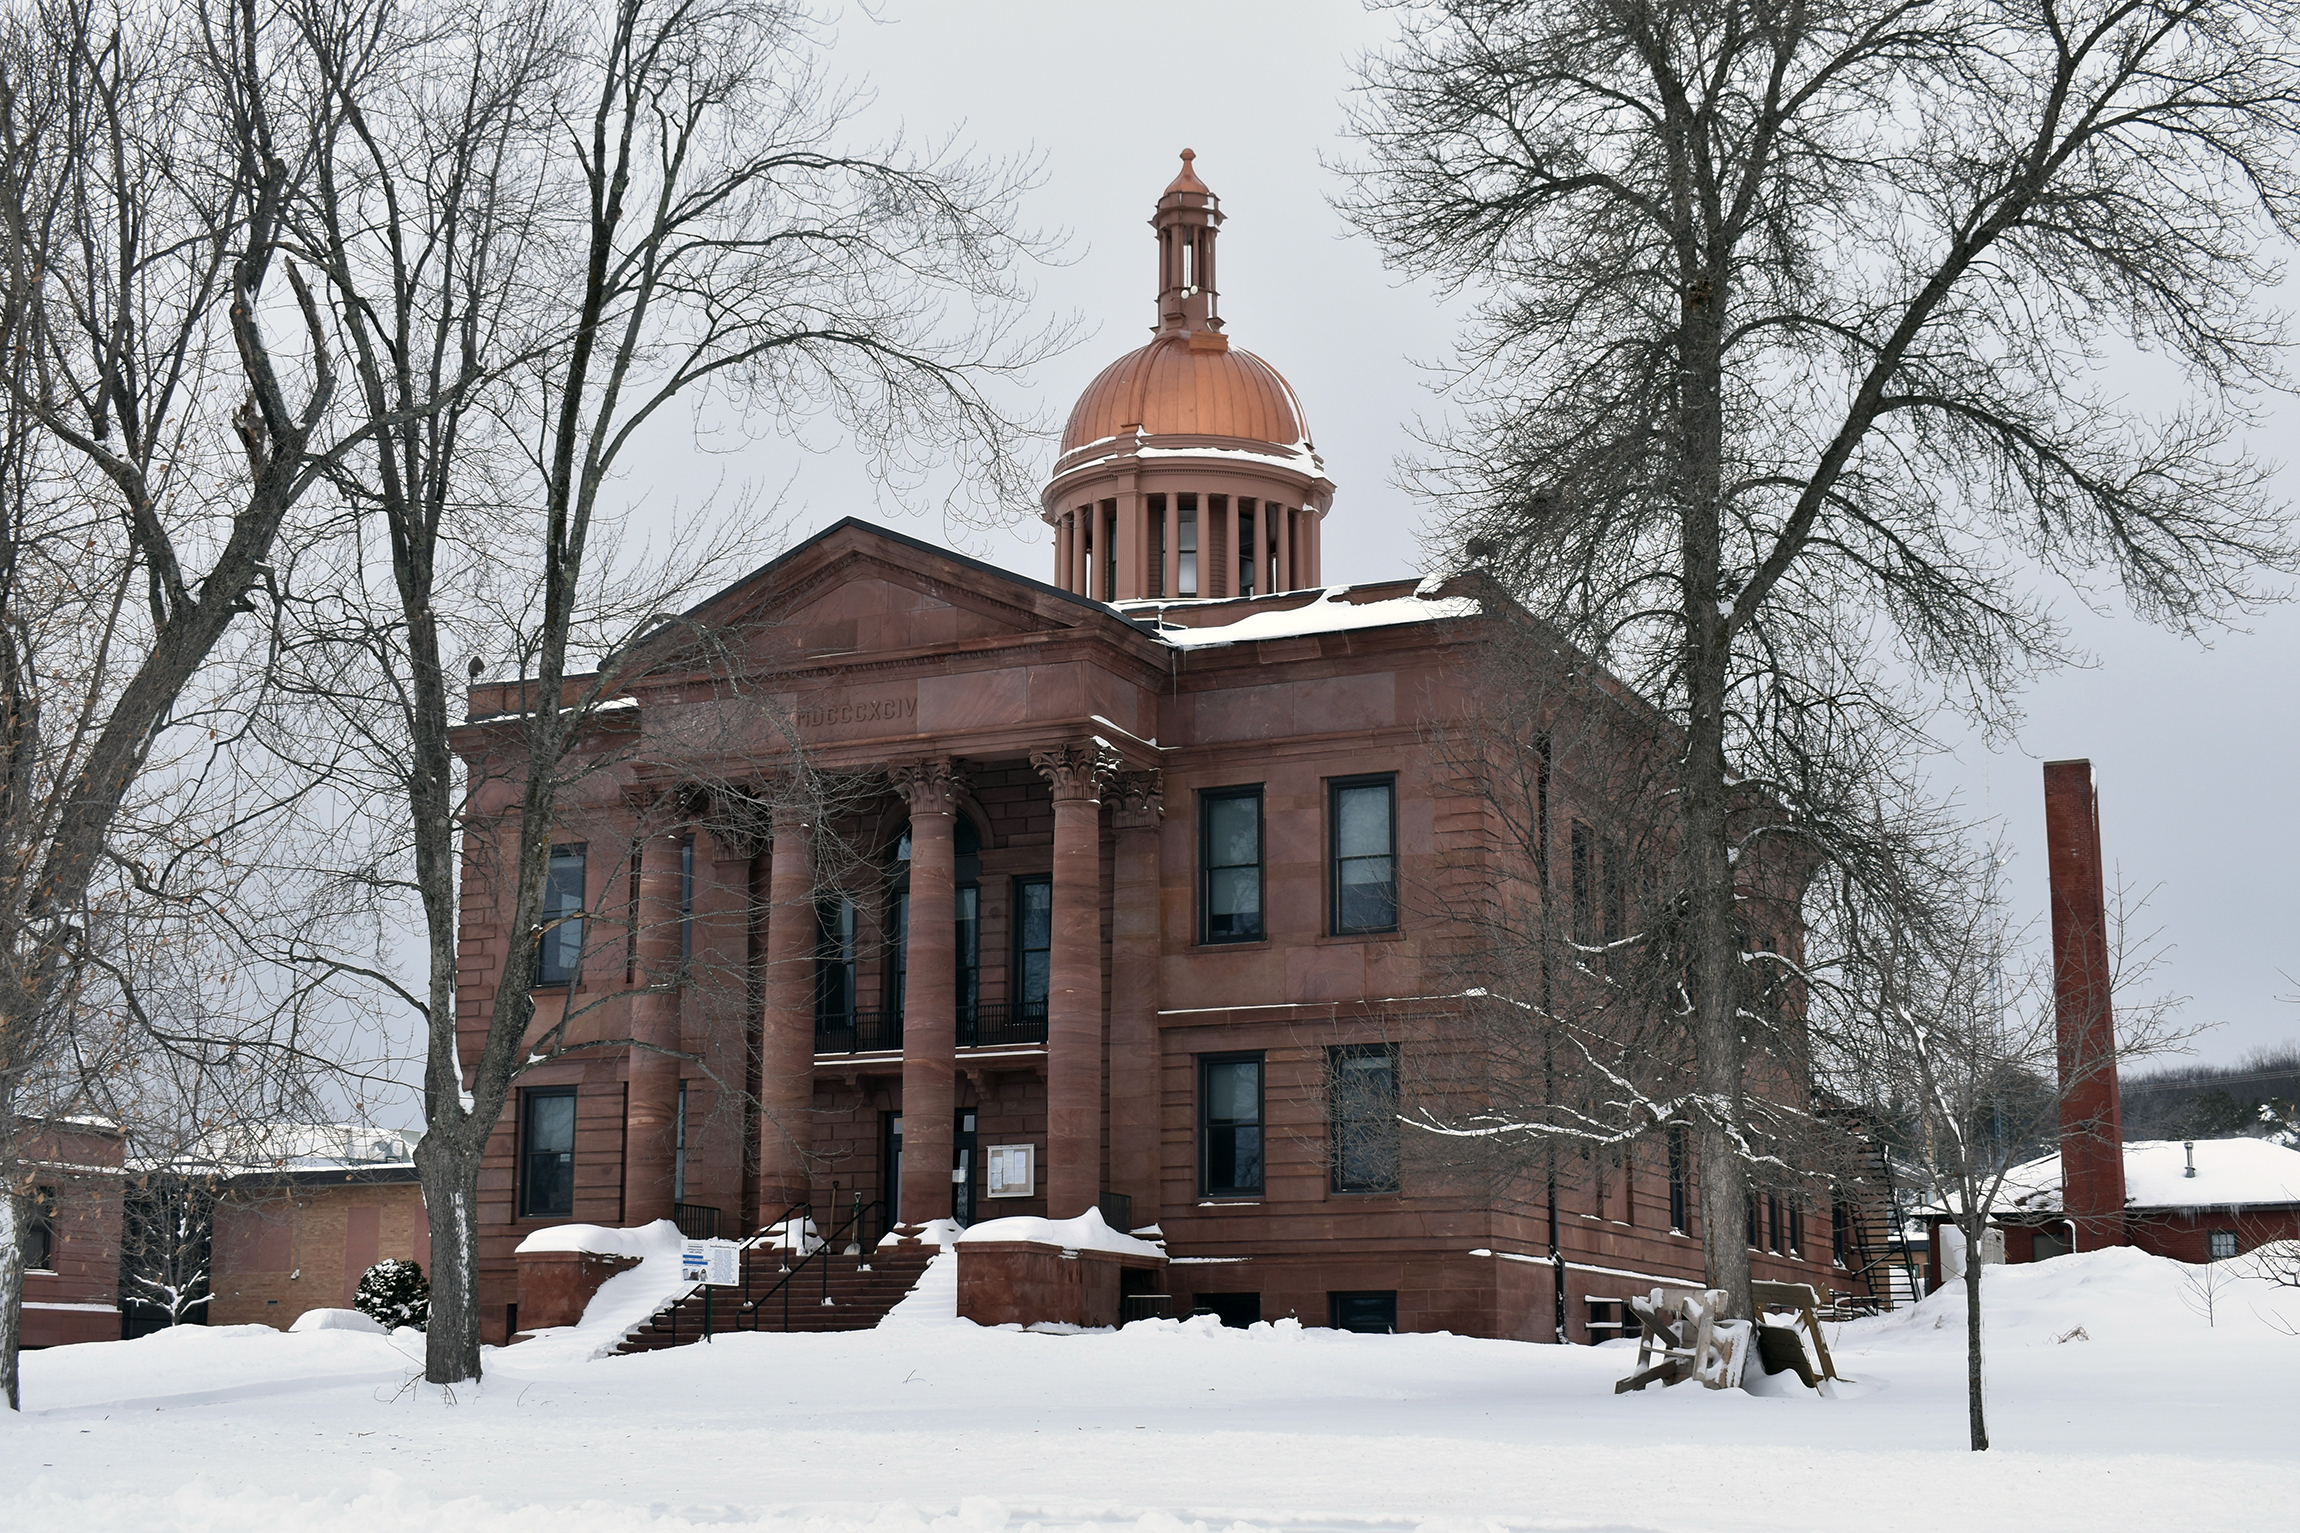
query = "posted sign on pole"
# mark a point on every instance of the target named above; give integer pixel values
(716, 1262)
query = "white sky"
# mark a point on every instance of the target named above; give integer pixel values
(2193, 747)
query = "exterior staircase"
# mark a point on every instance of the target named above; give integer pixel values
(859, 1290)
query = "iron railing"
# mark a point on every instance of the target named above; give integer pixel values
(1144, 1306)
(1117, 1211)
(989, 1024)
(696, 1221)
(800, 1242)
(981, 1025)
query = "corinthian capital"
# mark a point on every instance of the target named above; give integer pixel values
(932, 785)
(1076, 771)
(1137, 800)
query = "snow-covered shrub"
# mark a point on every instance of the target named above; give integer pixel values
(394, 1293)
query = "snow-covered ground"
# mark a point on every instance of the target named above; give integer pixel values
(2150, 1418)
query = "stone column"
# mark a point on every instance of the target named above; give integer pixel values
(651, 1098)
(930, 983)
(787, 1028)
(1074, 981)
(1062, 549)
(1136, 806)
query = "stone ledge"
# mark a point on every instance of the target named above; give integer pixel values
(1028, 1282)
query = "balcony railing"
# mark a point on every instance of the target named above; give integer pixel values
(985, 1024)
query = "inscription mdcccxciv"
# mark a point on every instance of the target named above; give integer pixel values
(834, 713)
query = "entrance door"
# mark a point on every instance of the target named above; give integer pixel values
(962, 1168)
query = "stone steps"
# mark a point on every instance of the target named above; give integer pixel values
(859, 1298)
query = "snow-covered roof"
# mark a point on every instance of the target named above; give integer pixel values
(2228, 1171)
(242, 1148)
(1195, 624)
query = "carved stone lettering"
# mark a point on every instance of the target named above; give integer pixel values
(847, 712)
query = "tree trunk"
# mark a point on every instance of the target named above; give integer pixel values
(1975, 1408)
(12, 1226)
(449, 1175)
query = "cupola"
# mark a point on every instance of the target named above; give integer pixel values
(1187, 468)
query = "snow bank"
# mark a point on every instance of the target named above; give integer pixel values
(1087, 1232)
(642, 1240)
(203, 1364)
(2118, 1295)
(337, 1320)
(625, 1301)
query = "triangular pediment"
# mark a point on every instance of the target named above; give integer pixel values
(858, 592)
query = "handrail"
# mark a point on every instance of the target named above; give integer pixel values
(822, 1249)
(668, 1314)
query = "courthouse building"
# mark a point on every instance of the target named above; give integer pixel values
(1109, 885)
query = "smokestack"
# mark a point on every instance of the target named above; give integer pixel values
(2091, 1112)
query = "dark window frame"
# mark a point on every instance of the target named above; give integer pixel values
(1679, 1210)
(547, 972)
(1017, 984)
(1207, 1127)
(1335, 788)
(1363, 1298)
(1207, 797)
(529, 1096)
(1337, 1154)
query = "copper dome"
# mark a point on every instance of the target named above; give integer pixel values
(1171, 387)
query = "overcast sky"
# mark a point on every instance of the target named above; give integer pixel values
(2193, 747)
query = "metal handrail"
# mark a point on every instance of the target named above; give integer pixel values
(853, 1222)
(668, 1315)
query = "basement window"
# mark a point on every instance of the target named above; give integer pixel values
(2221, 1245)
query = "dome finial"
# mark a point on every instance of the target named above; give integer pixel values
(1189, 216)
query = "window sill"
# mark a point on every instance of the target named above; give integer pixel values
(1228, 947)
(1392, 935)
(1221, 1202)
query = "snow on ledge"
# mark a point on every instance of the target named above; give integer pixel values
(640, 1241)
(1087, 1232)
(1330, 611)
(337, 1320)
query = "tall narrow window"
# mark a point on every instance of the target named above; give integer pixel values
(686, 903)
(898, 950)
(547, 1152)
(1362, 842)
(835, 963)
(40, 1236)
(679, 1150)
(1362, 1117)
(1230, 1125)
(1154, 511)
(562, 956)
(1772, 1224)
(1796, 1230)
(1677, 1178)
(1584, 884)
(1186, 512)
(1033, 943)
(1249, 578)
(1230, 855)
(1840, 1234)
(969, 902)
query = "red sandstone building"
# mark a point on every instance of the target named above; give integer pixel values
(1101, 887)
(72, 1259)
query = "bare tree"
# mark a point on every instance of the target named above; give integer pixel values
(1784, 381)
(1967, 1041)
(541, 227)
(163, 395)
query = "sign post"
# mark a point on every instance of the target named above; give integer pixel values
(710, 1264)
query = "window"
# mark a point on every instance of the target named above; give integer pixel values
(40, 1237)
(1840, 1234)
(1230, 854)
(547, 1153)
(1369, 1314)
(1677, 1178)
(1362, 1117)
(2220, 1245)
(679, 1150)
(1033, 943)
(1230, 1125)
(1772, 1224)
(686, 904)
(1796, 1230)
(1186, 551)
(1236, 1310)
(562, 956)
(1362, 854)
(969, 903)
(835, 962)
(1584, 884)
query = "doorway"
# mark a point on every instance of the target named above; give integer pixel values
(962, 1168)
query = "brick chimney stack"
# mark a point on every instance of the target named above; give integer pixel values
(2091, 1112)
